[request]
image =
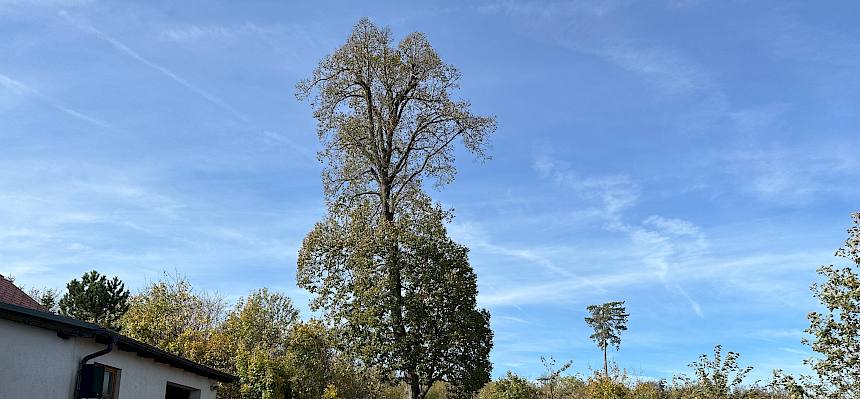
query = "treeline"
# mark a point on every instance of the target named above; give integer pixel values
(275, 354)
(260, 339)
(713, 377)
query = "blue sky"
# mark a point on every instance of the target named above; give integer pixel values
(694, 158)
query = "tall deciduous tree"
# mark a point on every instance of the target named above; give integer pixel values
(95, 299)
(608, 320)
(836, 331)
(388, 122)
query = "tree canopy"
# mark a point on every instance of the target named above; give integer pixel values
(93, 298)
(171, 315)
(448, 338)
(387, 118)
(256, 337)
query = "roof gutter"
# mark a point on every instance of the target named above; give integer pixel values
(86, 359)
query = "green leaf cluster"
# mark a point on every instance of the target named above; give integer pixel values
(94, 298)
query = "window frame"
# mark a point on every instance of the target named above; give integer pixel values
(116, 375)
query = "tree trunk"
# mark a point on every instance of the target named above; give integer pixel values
(414, 386)
(392, 263)
(605, 363)
(395, 287)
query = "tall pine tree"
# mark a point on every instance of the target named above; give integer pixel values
(95, 299)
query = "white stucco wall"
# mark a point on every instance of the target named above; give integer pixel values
(35, 363)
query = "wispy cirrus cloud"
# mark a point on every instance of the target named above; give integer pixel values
(109, 219)
(659, 241)
(551, 9)
(192, 33)
(787, 175)
(668, 69)
(597, 29)
(611, 195)
(588, 27)
(667, 246)
(563, 291)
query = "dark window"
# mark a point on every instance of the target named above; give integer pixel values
(176, 391)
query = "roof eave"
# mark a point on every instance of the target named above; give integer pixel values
(67, 326)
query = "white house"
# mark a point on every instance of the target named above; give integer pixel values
(47, 356)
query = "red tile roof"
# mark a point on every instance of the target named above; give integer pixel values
(9, 293)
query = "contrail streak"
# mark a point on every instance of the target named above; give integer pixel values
(128, 51)
(164, 71)
(22, 88)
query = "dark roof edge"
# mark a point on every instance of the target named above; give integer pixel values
(72, 327)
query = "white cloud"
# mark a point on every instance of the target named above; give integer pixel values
(667, 69)
(610, 194)
(590, 27)
(563, 291)
(694, 305)
(797, 175)
(216, 33)
(551, 9)
(672, 226)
